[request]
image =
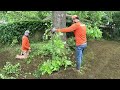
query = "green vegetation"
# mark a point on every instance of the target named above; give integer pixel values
(54, 51)
(93, 33)
(10, 70)
(50, 66)
(10, 33)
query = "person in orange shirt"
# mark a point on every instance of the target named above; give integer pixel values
(25, 49)
(25, 44)
(79, 30)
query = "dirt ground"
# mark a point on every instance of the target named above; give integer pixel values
(101, 61)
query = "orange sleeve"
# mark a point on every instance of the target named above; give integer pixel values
(68, 29)
(25, 43)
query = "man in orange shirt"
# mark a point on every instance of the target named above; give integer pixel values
(79, 30)
(25, 44)
(25, 49)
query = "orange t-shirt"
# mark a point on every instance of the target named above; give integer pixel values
(25, 43)
(79, 32)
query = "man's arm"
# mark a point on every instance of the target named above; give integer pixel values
(68, 29)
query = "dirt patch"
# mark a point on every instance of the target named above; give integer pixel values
(30, 68)
(101, 59)
(4, 56)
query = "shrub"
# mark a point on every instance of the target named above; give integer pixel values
(9, 70)
(50, 66)
(93, 32)
(17, 29)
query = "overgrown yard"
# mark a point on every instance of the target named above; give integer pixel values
(101, 61)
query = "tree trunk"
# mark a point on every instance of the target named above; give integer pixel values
(59, 21)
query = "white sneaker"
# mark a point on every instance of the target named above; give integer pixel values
(74, 69)
(78, 71)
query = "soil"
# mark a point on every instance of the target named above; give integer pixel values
(101, 61)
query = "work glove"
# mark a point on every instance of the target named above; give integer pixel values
(29, 49)
(53, 30)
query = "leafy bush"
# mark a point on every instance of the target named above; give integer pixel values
(52, 65)
(9, 70)
(93, 32)
(71, 43)
(13, 16)
(17, 29)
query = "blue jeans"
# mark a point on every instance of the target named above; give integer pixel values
(79, 55)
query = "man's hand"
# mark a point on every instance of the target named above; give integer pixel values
(53, 30)
(29, 48)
